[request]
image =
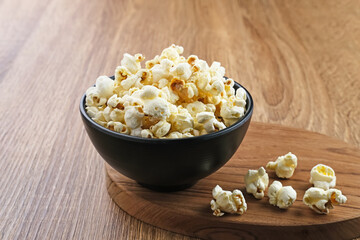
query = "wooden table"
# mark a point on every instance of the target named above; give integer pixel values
(299, 59)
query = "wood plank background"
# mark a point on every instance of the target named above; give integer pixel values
(299, 59)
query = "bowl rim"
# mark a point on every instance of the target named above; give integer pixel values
(237, 124)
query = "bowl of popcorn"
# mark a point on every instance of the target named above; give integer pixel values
(169, 124)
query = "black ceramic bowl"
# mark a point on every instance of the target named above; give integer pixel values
(167, 164)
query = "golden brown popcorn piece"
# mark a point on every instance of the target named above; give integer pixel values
(149, 121)
(178, 86)
(191, 60)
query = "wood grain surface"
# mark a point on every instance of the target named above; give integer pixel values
(299, 59)
(189, 212)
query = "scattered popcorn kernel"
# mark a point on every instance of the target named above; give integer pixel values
(280, 196)
(284, 166)
(226, 201)
(321, 200)
(171, 97)
(323, 176)
(256, 182)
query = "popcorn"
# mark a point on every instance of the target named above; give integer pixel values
(182, 70)
(182, 120)
(146, 133)
(217, 87)
(104, 86)
(280, 196)
(93, 97)
(284, 166)
(196, 107)
(157, 108)
(172, 97)
(161, 128)
(323, 176)
(117, 115)
(209, 122)
(92, 111)
(162, 70)
(118, 127)
(133, 117)
(172, 53)
(226, 201)
(256, 182)
(321, 200)
(132, 63)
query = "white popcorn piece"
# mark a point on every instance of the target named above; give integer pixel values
(182, 120)
(118, 127)
(93, 97)
(256, 182)
(117, 115)
(157, 108)
(162, 70)
(107, 111)
(241, 94)
(133, 117)
(148, 93)
(132, 81)
(282, 197)
(284, 166)
(146, 133)
(210, 123)
(163, 83)
(216, 70)
(172, 53)
(161, 128)
(203, 81)
(196, 107)
(92, 111)
(136, 132)
(113, 101)
(105, 86)
(323, 176)
(228, 110)
(226, 201)
(321, 200)
(132, 63)
(182, 71)
(175, 135)
(217, 87)
(121, 73)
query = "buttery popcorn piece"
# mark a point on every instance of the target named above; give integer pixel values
(321, 200)
(280, 196)
(256, 182)
(323, 176)
(226, 201)
(284, 166)
(172, 97)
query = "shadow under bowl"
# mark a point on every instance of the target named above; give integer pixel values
(167, 164)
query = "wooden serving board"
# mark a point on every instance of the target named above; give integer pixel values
(188, 211)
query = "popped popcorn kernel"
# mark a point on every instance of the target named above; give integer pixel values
(256, 182)
(321, 201)
(323, 176)
(171, 97)
(226, 201)
(284, 166)
(282, 197)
